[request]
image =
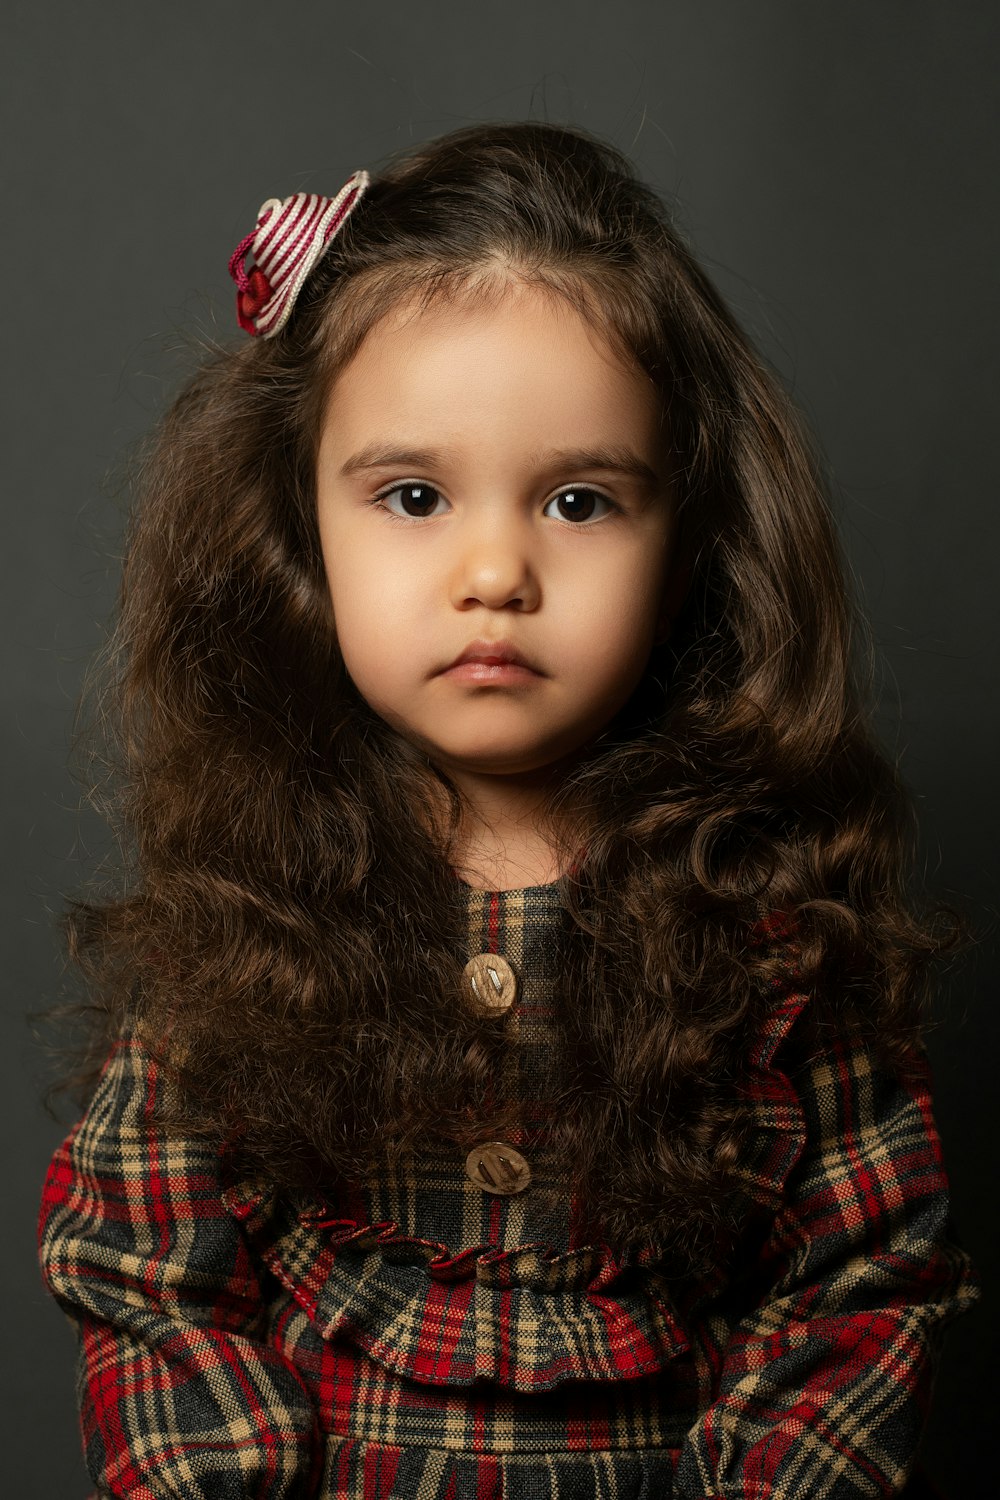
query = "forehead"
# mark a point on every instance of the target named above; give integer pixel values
(518, 360)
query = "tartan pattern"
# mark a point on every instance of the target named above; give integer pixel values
(424, 1339)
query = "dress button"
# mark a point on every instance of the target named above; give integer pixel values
(497, 1168)
(491, 981)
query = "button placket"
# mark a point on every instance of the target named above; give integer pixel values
(495, 1167)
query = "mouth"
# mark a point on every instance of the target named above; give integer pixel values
(491, 661)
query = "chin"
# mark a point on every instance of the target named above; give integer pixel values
(493, 761)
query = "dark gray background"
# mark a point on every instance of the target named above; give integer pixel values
(836, 164)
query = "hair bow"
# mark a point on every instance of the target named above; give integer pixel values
(290, 236)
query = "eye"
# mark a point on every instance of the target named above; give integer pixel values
(579, 504)
(412, 500)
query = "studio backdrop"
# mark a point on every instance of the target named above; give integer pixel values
(836, 167)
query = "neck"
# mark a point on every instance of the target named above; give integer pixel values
(506, 838)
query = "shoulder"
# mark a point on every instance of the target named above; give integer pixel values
(121, 1171)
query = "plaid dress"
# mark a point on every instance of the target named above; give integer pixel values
(425, 1339)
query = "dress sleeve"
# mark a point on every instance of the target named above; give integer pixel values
(180, 1394)
(822, 1390)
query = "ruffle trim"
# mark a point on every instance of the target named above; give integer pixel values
(524, 1318)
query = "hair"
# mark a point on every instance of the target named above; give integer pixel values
(288, 932)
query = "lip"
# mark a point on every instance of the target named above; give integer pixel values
(491, 661)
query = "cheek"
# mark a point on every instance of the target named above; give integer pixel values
(624, 609)
(374, 619)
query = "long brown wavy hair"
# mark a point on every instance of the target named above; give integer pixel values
(288, 931)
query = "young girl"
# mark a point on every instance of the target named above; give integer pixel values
(513, 1080)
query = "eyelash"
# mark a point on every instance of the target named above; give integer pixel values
(570, 489)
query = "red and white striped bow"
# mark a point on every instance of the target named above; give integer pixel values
(290, 236)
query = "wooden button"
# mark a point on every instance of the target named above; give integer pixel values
(497, 1168)
(491, 980)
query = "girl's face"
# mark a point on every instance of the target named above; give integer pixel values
(495, 528)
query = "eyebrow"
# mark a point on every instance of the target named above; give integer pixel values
(607, 460)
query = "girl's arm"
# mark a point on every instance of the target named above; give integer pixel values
(820, 1394)
(179, 1393)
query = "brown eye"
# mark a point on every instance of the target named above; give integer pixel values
(413, 500)
(579, 505)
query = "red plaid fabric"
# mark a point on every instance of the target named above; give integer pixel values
(424, 1339)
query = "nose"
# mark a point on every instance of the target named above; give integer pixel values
(495, 567)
